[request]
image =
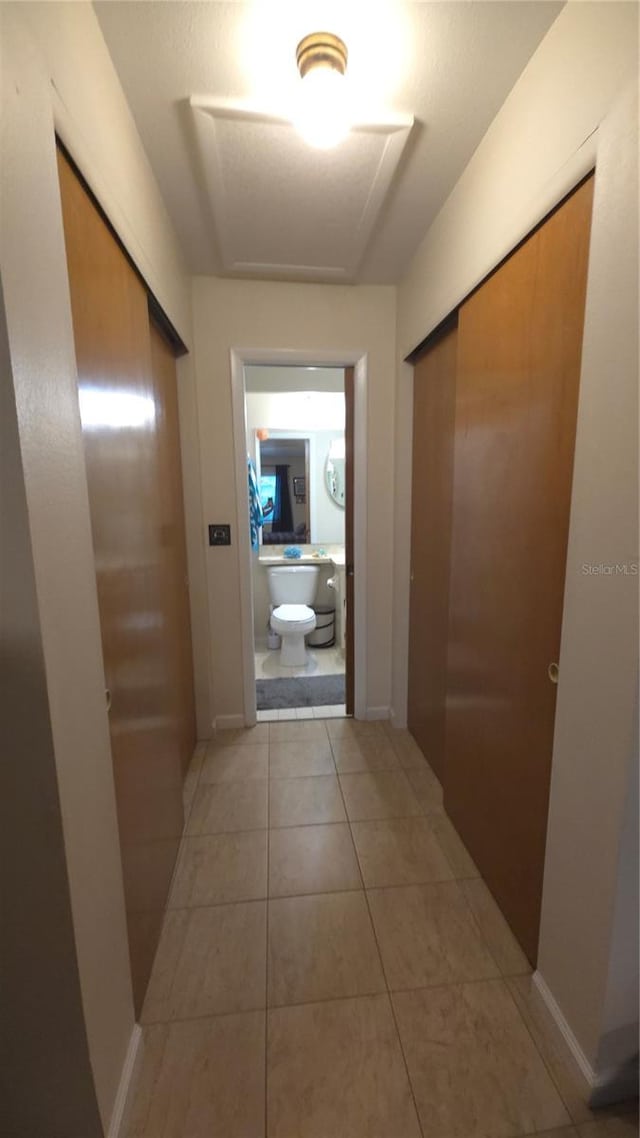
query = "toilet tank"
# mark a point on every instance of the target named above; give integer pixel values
(292, 584)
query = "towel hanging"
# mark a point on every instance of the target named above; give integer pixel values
(255, 508)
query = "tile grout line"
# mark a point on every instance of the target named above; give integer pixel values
(546, 1064)
(384, 972)
(390, 998)
(503, 978)
(390, 992)
(142, 1025)
(183, 835)
(382, 967)
(476, 922)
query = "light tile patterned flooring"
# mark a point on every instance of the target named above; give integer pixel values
(319, 662)
(333, 966)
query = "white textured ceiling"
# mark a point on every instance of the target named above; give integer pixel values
(246, 196)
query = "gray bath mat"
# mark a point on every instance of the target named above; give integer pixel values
(300, 691)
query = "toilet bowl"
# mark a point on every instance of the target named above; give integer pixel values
(292, 623)
(292, 589)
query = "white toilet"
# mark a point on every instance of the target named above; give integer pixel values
(292, 589)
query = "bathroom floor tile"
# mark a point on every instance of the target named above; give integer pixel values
(355, 728)
(427, 936)
(399, 851)
(239, 737)
(405, 746)
(312, 859)
(501, 942)
(426, 788)
(223, 807)
(218, 868)
(561, 1132)
(330, 711)
(209, 961)
(236, 763)
(202, 1078)
(618, 1121)
(335, 1070)
(298, 730)
(473, 1066)
(321, 947)
(573, 1088)
(319, 662)
(192, 778)
(305, 801)
(294, 760)
(359, 754)
(460, 860)
(385, 794)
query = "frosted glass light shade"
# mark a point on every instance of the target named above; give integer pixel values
(322, 117)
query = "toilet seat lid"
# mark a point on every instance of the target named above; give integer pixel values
(293, 612)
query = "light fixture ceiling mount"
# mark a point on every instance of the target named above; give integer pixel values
(323, 115)
(321, 49)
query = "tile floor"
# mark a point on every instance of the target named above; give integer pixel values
(333, 966)
(320, 662)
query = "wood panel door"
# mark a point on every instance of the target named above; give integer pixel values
(434, 386)
(175, 581)
(130, 440)
(519, 350)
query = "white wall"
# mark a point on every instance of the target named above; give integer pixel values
(596, 712)
(532, 154)
(323, 318)
(56, 71)
(296, 410)
(327, 524)
(619, 1030)
(39, 984)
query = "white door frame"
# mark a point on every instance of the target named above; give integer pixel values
(301, 358)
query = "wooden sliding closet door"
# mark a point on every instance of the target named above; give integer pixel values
(519, 349)
(129, 425)
(175, 584)
(434, 386)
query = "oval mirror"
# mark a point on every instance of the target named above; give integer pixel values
(334, 472)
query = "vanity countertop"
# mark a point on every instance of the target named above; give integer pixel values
(306, 559)
(336, 558)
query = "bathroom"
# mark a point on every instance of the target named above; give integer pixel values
(295, 420)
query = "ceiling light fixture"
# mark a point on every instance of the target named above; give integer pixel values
(323, 115)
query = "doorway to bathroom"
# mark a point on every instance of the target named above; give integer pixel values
(299, 424)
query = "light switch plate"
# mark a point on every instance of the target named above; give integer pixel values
(219, 535)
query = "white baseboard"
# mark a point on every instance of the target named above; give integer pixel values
(225, 722)
(574, 1048)
(126, 1084)
(398, 721)
(377, 713)
(601, 1087)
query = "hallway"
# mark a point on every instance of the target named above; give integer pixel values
(331, 964)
